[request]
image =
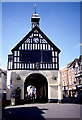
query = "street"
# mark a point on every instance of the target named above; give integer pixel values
(42, 111)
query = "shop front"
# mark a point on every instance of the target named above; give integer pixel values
(65, 92)
(73, 92)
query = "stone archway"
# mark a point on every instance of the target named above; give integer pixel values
(40, 83)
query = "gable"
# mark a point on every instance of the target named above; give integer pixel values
(34, 40)
(34, 51)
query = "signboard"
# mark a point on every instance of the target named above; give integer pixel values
(11, 85)
(79, 86)
(73, 88)
(70, 88)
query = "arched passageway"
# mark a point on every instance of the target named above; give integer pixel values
(37, 85)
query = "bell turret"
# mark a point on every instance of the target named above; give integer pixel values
(35, 19)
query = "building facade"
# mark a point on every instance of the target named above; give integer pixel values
(71, 80)
(78, 76)
(64, 77)
(3, 80)
(73, 75)
(34, 61)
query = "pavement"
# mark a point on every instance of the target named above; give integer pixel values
(42, 111)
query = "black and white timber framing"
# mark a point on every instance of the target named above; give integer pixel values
(34, 52)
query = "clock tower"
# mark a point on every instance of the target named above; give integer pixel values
(35, 19)
(34, 61)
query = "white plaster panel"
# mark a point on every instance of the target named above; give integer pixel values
(53, 92)
(25, 73)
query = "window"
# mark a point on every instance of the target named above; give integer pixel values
(30, 56)
(65, 74)
(25, 56)
(10, 58)
(62, 74)
(76, 70)
(69, 72)
(80, 81)
(65, 81)
(73, 79)
(35, 56)
(72, 70)
(69, 80)
(47, 56)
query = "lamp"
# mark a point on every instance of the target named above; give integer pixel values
(54, 77)
(18, 77)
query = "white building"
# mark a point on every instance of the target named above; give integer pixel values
(34, 61)
(3, 80)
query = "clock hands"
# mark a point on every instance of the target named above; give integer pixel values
(36, 40)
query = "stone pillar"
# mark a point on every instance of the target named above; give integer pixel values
(59, 87)
(8, 91)
(49, 95)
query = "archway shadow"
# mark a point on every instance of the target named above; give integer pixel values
(23, 113)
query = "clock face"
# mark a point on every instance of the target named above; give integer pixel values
(36, 40)
(37, 66)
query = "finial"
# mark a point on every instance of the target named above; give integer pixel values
(35, 8)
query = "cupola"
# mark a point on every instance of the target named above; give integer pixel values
(35, 19)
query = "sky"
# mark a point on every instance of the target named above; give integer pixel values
(60, 21)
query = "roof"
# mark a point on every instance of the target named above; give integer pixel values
(69, 64)
(27, 36)
(73, 62)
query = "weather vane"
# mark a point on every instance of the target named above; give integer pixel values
(35, 8)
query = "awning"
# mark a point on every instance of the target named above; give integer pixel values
(73, 88)
(79, 86)
(70, 88)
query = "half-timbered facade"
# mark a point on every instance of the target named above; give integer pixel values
(35, 56)
(35, 51)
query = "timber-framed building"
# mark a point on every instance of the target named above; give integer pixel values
(34, 61)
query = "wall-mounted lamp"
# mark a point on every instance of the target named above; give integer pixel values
(54, 77)
(18, 77)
